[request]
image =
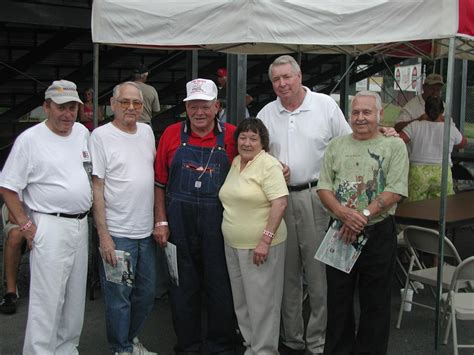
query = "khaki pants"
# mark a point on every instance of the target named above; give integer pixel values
(306, 221)
(257, 293)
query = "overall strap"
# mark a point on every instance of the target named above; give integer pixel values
(184, 134)
(220, 139)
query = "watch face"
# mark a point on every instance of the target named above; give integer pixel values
(366, 213)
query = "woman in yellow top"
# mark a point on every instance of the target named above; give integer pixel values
(254, 197)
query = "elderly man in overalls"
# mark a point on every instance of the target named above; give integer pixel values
(192, 162)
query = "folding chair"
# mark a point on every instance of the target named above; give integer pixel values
(404, 250)
(460, 305)
(426, 241)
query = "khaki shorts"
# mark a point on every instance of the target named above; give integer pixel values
(8, 227)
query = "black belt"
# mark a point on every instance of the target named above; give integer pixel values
(301, 187)
(67, 215)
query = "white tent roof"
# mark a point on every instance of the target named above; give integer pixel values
(280, 26)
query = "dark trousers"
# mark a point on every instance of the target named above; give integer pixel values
(373, 273)
(196, 231)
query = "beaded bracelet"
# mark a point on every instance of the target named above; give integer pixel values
(26, 226)
(268, 234)
(162, 223)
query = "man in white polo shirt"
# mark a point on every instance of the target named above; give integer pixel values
(47, 165)
(301, 123)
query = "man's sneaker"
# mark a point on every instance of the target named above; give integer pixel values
(8, 304)
(139, 349)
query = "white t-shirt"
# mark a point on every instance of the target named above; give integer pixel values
(299, 138)
(412, 109)
(49, 170)
(125, 162)
(426, 141)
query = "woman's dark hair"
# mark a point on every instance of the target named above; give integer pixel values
(254, 125)
(434, 107)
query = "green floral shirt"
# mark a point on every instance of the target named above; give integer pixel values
(357, 171)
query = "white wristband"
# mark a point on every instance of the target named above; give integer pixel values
(161, 223)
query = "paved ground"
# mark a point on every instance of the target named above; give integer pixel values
(415, 337)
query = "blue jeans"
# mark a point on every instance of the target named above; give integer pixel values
(126, 308)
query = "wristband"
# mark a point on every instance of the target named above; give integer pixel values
(268, 234)
(26, 226)
(161, 223)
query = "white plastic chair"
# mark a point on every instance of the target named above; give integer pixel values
(426, 241)
(460, 305)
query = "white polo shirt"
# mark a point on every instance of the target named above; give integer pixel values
(299, 138)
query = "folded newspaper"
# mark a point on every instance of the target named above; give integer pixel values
(334, 252)
(171, 259)
(122, 273)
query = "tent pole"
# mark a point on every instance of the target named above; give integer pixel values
(444, 186)
(96, 84)
(344, 92)
(462, 113)
(236, 87)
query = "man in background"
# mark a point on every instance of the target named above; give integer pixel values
(222, 95)
(151, 102)
(415, 108)
(13, 244)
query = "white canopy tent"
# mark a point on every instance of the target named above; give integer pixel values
(428, 28)
(403, 27)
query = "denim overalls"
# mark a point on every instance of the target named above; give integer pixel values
(195, 217)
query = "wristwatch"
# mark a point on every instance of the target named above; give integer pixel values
(366, 213)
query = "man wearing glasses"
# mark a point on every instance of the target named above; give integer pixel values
(123, 153)
(192, 162)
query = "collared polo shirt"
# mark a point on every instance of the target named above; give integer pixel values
(299, 138)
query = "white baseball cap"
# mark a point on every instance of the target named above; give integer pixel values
(62, 91)
(201, 89)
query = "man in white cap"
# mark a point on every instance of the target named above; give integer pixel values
(47, 165)
(415, 108)
(192, 162)
(123, 152)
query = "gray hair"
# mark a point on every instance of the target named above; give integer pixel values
(131, 83)
(378, 100)
(284, 59)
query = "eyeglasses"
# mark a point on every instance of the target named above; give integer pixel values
(205, 108)
(125, 104)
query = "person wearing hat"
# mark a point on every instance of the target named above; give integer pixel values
(415, 108)
(47, 165)
(151, 102)
(191, 165)
(426, 152)
(222, 95)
